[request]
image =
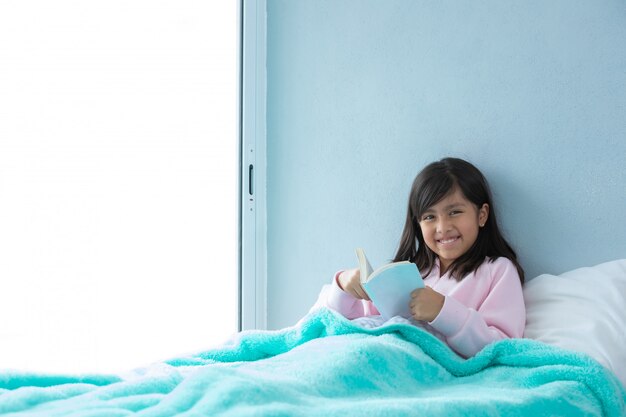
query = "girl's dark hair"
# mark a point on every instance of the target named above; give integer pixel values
(436, 181)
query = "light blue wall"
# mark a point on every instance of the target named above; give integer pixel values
(362, 94)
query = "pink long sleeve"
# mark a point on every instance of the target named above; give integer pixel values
(332, 296)
(487, 305)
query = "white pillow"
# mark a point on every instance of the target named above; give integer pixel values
(582, 310)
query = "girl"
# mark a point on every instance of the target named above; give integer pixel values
(473, 281)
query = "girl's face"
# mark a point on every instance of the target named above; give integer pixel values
(450, 227)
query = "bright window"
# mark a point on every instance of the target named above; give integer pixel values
(118, 181)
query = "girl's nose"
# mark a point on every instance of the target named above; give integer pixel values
(443, 226)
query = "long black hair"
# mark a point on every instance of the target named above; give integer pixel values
(436, 181)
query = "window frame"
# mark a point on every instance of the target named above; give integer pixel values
(253, 218)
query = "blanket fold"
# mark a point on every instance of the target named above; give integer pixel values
(328, 366)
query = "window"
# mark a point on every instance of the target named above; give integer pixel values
(118, 181)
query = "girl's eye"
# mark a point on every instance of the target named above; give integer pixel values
(427, 217)
(455, 212)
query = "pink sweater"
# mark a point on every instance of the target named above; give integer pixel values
(485, 306)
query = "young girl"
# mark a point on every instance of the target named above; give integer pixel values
(473, 281)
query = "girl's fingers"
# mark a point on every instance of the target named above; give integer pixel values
(355, 294)
(361, 292)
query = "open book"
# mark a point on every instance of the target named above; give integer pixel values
(390, 286)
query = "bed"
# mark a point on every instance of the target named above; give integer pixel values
(571, 363)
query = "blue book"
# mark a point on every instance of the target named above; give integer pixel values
(390, 286)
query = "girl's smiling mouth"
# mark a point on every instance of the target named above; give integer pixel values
(448, 241)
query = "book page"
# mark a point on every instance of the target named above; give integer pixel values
(364, 265)
(383, 268)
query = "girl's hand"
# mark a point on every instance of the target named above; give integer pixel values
(350, 281)
(426, 303)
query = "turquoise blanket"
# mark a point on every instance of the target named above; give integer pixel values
(328, 366)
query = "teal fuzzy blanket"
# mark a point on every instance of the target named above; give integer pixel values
(328, 366)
